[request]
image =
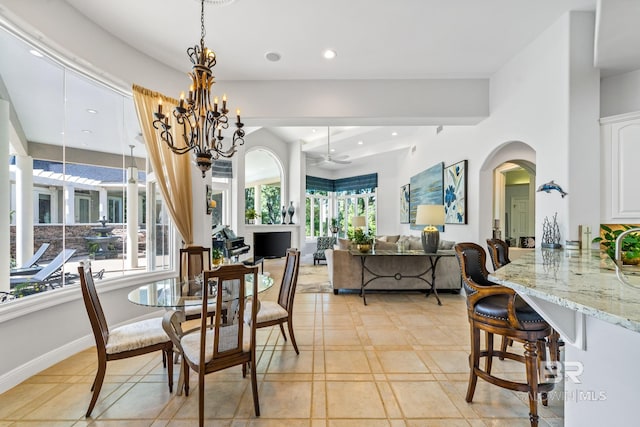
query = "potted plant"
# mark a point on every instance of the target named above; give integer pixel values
(217, 257)
(630, 248)
(334, 226)
(362, 240)
(250, 215)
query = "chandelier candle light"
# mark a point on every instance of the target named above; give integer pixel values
(199, 120)
(431, 216)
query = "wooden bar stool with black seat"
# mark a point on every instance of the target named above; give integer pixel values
(499, 310)
(499, 254)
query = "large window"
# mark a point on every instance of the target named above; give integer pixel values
(335, 202)
(79, 133)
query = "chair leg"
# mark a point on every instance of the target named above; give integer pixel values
(474, 362)
(97, 385)
(201, 399)
(282, 330)
(503, 346)
(531, 360)
(164, 359)
(488, 362)
(185, 371)
(254, 387)
(169, 356)
(293, 338)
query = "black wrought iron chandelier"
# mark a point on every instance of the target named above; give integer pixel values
(202, 124)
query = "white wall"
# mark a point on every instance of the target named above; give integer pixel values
(620, 94)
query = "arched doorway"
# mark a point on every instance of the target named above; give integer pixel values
(507, 177)
(514, 207)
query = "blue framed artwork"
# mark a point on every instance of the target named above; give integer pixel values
(405, 197)
(455, 193)
(425, 189)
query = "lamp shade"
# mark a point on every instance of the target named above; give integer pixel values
(359, 221)
(430, 215)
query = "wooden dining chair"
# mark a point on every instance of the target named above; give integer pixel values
(496, 309)
(193, 261)
(281, 311)
(133, 339)
(230, 340)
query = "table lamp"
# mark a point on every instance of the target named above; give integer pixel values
(359, 222)
(430, 216)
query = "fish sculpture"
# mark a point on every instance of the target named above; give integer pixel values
(548, 186)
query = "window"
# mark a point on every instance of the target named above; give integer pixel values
(263, 180)
(115, 209)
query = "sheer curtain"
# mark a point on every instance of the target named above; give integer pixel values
(173, 171)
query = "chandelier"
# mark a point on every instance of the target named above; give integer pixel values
(202, 124)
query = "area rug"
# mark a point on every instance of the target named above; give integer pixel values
(311, 278)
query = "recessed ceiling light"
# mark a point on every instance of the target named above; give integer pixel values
(35, 53)
(92, 111)
(360, 142)
(394, 133)
(313, 130)
(273, 56)
(329, 54)
(86, 131)
(333, 150)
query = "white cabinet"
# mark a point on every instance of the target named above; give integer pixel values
(620, 166)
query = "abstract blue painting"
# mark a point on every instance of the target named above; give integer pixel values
(455, 193)
(425, 189)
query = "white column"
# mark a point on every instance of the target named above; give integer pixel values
(132, 217)
(24, 208)
(103, 203)
(54, 204)
(69, 204)
(5, 240)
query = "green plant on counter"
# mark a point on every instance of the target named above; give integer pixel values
(250, 214)
(630, 247)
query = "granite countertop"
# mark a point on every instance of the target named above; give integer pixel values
(583, 281)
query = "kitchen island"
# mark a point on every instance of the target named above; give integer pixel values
(595, 307)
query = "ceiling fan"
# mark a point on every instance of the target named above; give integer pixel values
(328, 158)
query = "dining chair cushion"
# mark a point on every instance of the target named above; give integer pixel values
(495, 307)
(197, 309)
(229, 335)
(136, 335)
(270, 310)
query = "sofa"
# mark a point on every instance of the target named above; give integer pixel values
(345, 269)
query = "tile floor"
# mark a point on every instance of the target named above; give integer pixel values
(400, 361)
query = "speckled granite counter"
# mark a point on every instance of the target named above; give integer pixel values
(598, 317)
(578, 281)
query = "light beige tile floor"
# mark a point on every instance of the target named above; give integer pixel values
(400, 361)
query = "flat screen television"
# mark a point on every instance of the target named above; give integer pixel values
(271, 244)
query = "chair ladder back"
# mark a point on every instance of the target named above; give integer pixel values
(228, 325)
(93, 307)
(193, 261)
(289, 279)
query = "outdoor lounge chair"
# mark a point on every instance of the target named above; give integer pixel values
(31, 266)
(49, 275)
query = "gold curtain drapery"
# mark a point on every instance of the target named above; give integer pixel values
(173, 171)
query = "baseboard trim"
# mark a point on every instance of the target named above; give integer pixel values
(42, 362)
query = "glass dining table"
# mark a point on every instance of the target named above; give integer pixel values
(173, 293)
(183, 296)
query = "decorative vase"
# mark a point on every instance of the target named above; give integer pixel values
(363, 247)
(217, 261)
(284, 214)
(291, 211)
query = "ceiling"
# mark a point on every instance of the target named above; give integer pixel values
(407, 39)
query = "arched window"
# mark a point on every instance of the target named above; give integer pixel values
(263, 186)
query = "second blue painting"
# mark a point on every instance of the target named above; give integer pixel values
(426, 189)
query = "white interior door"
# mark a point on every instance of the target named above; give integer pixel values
(519, 217)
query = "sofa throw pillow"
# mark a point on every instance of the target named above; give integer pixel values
(344, 244)
(446, 244)
(385, 246)
(392, 238)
